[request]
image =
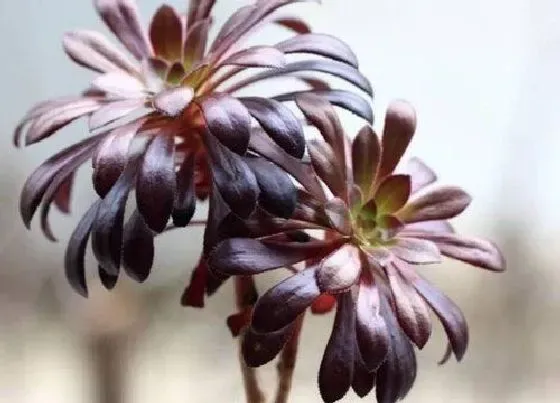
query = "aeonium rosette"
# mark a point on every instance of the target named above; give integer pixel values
(380, 227)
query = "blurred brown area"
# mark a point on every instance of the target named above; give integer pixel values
(484, 77)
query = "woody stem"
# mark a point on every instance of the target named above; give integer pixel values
(244, 291)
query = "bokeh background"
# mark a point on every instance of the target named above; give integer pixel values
(484, 76)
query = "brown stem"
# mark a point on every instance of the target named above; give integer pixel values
(244, 295)
(287, 363)
(108, 367)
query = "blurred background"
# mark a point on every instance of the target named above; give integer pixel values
(484, 77)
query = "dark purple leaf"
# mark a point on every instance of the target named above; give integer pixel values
(363, 380)
(155, 184)
(278, 194)
(138, 248)
(107, 231)
(75, 251)
(194, 292)
(341, 98)
(260, 348)
(185, 197)
(241, 256)
(303, 173)
(227, 120)
(113, 111)
(416, 251)
(120, 85)
(397, 374)
(320, 44)
(449, 314)
(283, 303)
(371, 331)
(63, 195)
(112, 155)
(39, 181)
(325, 163)
(166, 33)
(279, 122)
(199, 10)
(337, 366)
(339, 216)
(121, 16)
(108, 281)
(412, 312)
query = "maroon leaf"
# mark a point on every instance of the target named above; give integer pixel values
(340, 270)
(392, 194)
(242, 256)
(278, 194)
(438, 226)
(261, 348)
(227, 120)
(257, 56)
(421, 175)
(366, 152)
(63, 195)
(185, 197)
(371, 331)
(439, 204)
(92, 50)
(108, 281)
(166, 33)
(412, 312)
(107, 231)
(75, 251)
(279, 122)
(194, 292)
(294, 24)
(337, 365)
(176, 73)
(322, 45)
(173, 101)
(138, 248)
(282, 304)
(234, 179)
(400, 124)
(112, 155)
(344, 99)
(121, 16)
(475, 251)
(448, 313)
(155, 184)
(196, 41)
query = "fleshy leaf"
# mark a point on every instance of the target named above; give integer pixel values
(261, 348)
(138, 248)
(340, 270)
(185, 200)
(322, 45)
(366, 152)
(439, 204)
(392, 194)
(421, 175)
(416, 251)
(283, 303)
(257, 56)
(173, 101)
(155, 184)
(337, 365)
(400, 124)
(166, 33)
